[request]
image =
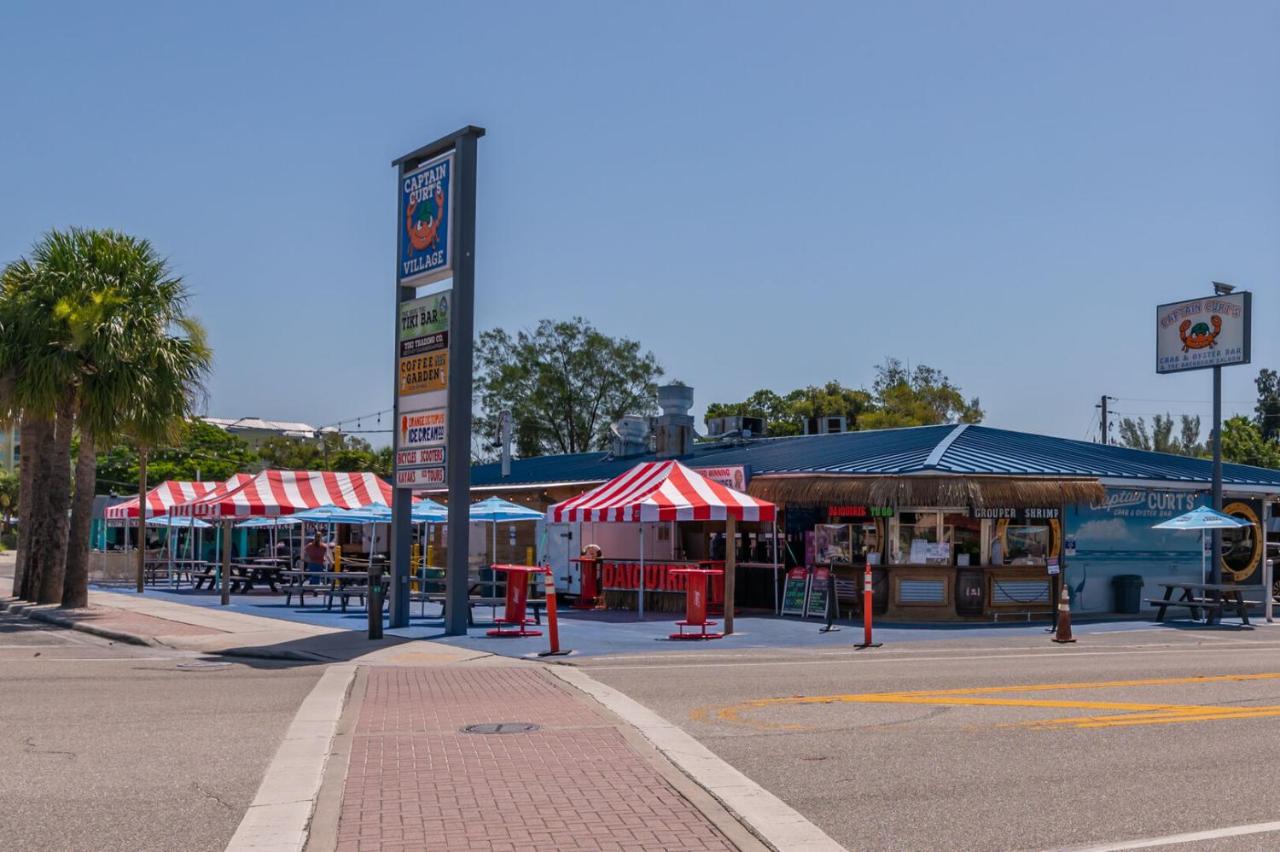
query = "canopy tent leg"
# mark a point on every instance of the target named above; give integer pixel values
(225, 574)
(640, 591)
(730, 570)
(776, 610)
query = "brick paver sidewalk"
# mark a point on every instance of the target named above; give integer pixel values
(416, 782)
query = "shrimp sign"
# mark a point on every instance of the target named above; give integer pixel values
(1211, 332)
(426, 206)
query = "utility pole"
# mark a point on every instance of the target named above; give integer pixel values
(1215, 566)
(1106, 436)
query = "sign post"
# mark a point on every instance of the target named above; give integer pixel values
(434, 339)
(1213, 332)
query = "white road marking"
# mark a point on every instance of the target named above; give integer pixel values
(1175, 839)
(280, 814)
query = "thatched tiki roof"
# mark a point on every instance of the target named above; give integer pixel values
(895, 491)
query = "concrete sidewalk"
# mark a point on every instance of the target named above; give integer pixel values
(144, 620)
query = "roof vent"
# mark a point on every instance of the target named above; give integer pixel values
(673, 429)
(830, 424)
(630, 436)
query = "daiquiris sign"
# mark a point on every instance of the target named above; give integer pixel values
(426, 207)
(1198, 333)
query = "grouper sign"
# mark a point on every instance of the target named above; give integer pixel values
(426, 206)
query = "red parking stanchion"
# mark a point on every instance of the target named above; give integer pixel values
(513, 611)
(553, 621)
(695, 603)
(867, 606)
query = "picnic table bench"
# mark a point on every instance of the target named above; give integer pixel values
(342, 585)
(1210, 597)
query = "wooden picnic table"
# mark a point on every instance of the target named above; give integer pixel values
(1210, 597)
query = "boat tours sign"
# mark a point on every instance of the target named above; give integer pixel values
(426, 207)
(1211, 332)
(421, 477)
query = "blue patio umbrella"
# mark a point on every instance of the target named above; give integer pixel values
(496, 511)
(179, 521)
(1202, 518)
(268, 522)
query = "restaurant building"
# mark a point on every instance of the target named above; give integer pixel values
(957, 521)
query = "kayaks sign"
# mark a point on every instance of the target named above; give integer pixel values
(1211, 332)
(426, 207)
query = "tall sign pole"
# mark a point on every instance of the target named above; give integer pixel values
(434, 339)
(1211, 332)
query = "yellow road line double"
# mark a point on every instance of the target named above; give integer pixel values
(1123, 713)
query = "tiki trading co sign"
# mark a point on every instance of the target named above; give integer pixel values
(426, 208)
(1211, 332)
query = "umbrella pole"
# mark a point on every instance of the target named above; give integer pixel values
(640, 591)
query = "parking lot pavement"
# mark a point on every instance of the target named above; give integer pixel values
(109, 746)
(993, 744)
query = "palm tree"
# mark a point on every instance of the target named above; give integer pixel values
(38, 365)
(143, 361)
(96, 333)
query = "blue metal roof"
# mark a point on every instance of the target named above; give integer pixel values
(973, 450)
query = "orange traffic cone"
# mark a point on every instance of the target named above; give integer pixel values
(1064, 617)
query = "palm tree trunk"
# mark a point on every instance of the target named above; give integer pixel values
(34, 439)
(75, 586)
(142, 518)
(49, 590)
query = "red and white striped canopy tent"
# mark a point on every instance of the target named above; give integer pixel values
(166, 495)
(661, 491)
(282, 492)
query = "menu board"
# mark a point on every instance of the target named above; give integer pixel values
(793, 591)
(816, 601)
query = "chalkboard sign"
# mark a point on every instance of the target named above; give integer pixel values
(793, 592)
(816, 602)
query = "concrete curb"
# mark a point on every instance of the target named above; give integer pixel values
(764, 814)
(48, 614)
(280, 816)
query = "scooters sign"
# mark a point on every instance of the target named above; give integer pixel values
(426, 206)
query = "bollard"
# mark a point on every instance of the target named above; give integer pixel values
(414, 569)
(528, 556)
(553, 622)
(831, 605)
(867, 607)
(374, 601)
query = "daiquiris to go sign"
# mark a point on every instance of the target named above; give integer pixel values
(426, 207)
(1210, 332)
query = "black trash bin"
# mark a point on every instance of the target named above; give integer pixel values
(1128, 593)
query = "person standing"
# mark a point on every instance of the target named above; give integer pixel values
(315, 555)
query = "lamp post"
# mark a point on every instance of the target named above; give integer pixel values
(1215, 568)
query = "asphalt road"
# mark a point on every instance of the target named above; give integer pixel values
(1031, 746)
(107, 746)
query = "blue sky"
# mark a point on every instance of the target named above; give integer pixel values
(766, 195)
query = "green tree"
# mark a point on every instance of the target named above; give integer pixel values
(831, 399)
(1243, 443)
(1268, 407)
(8, 501)
(923, 396)
(1161, 437)
(201, 451)
(332, 451)
(564, 382)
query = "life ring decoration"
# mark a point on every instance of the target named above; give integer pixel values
(1246, 513)
(424, 226)
(1055, 537)
(1200, 336)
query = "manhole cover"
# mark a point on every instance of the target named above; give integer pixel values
(500, 728)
